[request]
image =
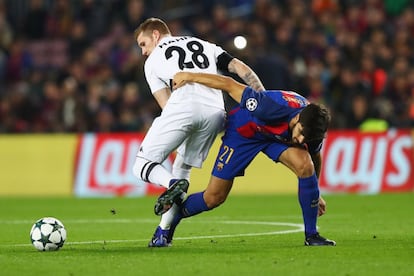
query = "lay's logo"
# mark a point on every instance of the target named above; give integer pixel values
(104, 166)
(368, 162)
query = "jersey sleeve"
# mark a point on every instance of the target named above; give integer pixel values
(223, 61)
(222, 58)
(154, 82)
(265, 107)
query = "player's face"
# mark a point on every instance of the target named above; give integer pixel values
(297, 134)
(147, 42)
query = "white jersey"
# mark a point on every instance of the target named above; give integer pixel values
(183, 53)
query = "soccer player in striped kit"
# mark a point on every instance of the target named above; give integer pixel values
(281, 124)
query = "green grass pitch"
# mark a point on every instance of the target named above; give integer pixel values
(248, 235)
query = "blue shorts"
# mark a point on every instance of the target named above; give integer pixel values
(236, 153)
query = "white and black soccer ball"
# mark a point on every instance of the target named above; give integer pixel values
(48, 234)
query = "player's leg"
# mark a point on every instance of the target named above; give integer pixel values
(166, 133)
(207, 123)
(180, 171)
(300, 162)
(215, 193)
(234, 156)
(163, 233)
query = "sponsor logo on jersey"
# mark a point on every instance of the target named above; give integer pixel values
(294, 99)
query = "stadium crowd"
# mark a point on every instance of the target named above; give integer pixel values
(74, 66)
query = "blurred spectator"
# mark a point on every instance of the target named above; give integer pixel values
(60, 19)
(373, 77)
(50, 110)
(96, 15)
(359, 111)
(19, 62)
(78, 39)
(135, 13)
(132, 113)
(73, 66)
(6, 32)
(34, 26)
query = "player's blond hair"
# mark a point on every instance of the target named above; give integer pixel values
(150, 25)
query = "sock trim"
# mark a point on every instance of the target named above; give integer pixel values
(146, 170)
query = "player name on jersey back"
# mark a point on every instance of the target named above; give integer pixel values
(176, 54)
(175, 39)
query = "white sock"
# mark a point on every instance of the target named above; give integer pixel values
(168, 217)
(157, 173)
(180, 171)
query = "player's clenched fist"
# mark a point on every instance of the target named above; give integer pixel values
(179, 80)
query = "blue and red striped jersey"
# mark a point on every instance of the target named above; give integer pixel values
(266, 114)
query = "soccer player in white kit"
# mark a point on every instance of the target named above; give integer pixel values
(191, 116)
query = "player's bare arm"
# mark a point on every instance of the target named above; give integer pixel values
(246, 74)
(162, 96)
(234, 88)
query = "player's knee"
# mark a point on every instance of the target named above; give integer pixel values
(305, 169)
(214, 200)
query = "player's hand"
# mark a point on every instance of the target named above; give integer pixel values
(322, 207)
(179, 80)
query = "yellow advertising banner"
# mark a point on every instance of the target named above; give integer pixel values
(45, 165)
(37, 164)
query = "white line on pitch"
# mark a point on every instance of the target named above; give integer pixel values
(298, 228)
(120, 220)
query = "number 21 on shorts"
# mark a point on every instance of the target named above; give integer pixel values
(226, 154)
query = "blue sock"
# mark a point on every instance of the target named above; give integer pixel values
(194, 205)
(308, 198)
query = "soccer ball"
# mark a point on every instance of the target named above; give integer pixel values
(48, 234)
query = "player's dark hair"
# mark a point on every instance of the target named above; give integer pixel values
(315, 119)
(150, 25)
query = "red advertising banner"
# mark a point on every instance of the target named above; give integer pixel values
(353, 162)
(104, 166)
(368, 162)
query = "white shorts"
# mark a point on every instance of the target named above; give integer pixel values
(191, 129)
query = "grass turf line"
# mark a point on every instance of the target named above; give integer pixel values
(374, 234)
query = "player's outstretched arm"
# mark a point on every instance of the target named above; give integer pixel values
(234, 88)
(246, 74)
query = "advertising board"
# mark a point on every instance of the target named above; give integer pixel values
(357, 162)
